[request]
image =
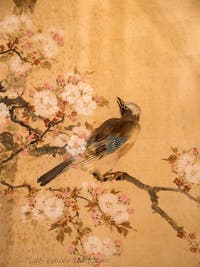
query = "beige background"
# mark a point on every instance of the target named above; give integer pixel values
(147, 51)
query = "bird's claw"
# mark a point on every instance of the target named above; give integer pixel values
(108, 176)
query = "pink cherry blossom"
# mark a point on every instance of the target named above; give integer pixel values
(65, 194)
(73, 79)
(173, 167)
(31, 137)
(58, 39)
(131, 211)
(196, 151)
(82, 78)
(98, 191)
(55, 133)
(71, 249)
(118, 242)
(82, 136)
(48, 86)
(25, 152)
(60, 80)
(74, 259)
(68, 202)
(124, 199)
(99, 258)
(29, 33)
(96, 98)
(32, 201)
(31, 92)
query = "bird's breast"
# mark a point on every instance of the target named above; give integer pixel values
(131, 139)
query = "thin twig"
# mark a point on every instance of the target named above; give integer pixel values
(14, 51)
(28, 186)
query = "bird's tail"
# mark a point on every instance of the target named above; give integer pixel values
(50, 175)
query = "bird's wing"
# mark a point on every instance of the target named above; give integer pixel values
(106, 139)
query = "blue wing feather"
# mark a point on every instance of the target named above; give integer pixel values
(114, 142)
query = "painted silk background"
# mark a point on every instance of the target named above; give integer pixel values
(145, 51)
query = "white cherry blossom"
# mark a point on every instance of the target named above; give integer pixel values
(85, 88)
(53, 208)
(48, 45)
(71, 93)
(119, 214)
(10, 24)
(45, 103)
(85, 105)
(183, 161)
(93, 245)
(107, 202)
(192, 173)
(50, 206)
(16, 65)
(76, 145)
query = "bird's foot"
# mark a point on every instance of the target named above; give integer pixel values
(108, 176)
(118, 176)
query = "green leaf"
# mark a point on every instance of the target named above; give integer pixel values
(4, 58)
(68, 230)
(126, 224)
(103, 102)
(60, 236)
(114, 192)
(172, 158)
(53, 226)
(122, 231)
(76, 71)
(86, 231)
(174, 149)
(46, 65)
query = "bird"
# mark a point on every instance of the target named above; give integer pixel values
(115, 135)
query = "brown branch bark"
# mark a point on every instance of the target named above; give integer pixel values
(13, 155)
(20, 122)
(14, 101)
(28, 186)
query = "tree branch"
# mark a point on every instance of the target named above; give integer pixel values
(22, 103)
(12, 50)
(20, 122)
(152, 192)
(28, 186)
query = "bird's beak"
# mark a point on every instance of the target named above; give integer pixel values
(120, 102)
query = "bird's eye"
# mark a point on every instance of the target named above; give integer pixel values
(125, 107)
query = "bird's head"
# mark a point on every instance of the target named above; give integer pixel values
(128, 108)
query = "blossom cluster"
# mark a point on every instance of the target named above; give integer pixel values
(28, 46)
(62, 206)
(70, 97)
(186, 166)
(96, 250)
(43, 206)
(77, 93)
(111, 207)
(74, 98)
